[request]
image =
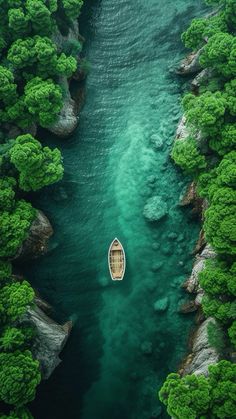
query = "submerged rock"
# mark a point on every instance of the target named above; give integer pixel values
(188, 307)
(162, 304)
(155, 209)
(50, 340)
(157, 142)
(146, 347)
(157, 266)
(191, 197)
(36, 243)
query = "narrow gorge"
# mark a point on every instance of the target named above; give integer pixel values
(126, 336)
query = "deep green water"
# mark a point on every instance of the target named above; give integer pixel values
(130, 95)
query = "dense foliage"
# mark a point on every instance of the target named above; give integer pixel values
(192, 396)
(209, 155)
(19, 376)
(38, 166)
(35, 59)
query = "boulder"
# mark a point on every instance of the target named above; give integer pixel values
(155, 209)
(161, 305)
(157, 266)
(192, 284)
(190, 64)
(202, 354)
(146, 348)
(188, 307)
(157, 142)
(36, 243)
(67, 120)
(50, 340)
(201, 78)
(191, 198)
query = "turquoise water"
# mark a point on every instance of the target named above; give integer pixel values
(121, 348)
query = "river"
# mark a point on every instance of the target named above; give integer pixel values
(121, 348)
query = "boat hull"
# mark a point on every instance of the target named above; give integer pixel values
(116, 260)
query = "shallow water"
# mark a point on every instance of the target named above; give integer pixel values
(112, 167)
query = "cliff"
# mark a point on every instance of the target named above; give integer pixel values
(68, 117)
(36, 242)
(51, 337)
(201, 353)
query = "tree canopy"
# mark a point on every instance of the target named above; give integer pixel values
(38, 166)
(14, 227)
(19, 376)
(186, 154)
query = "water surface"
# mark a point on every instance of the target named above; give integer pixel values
(120, 349)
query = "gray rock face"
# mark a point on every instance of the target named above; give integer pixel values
(182, 131)
(202, 354)
(35, 244)
(50, 340)
(190, 65)
(67, 120)
(201, 78)
(155, 209)
(192, 284)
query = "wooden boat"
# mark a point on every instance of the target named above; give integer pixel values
(116, 260)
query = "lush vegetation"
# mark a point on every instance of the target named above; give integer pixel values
(32, 67)
(208, 154)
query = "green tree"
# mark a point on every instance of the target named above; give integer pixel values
(216, 337)
(44, 100)
(15, 298)
(12, 339)
(222, 311)
(222, 380)
(187, 397)
(5, 271)
(72, 8)
(18, 21)
(214, 277)
(186, 155)
(205, 112)
(225, 141)
(217, 54)
(230, 96)
(19, 376)
(7, 193)
(14, 227)
(39, 56)
(232, 333)
(202, 29)
(18, 413)
(40, 16)
(8, 93)
(38, 166)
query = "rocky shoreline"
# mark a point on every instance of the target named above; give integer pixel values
(51, 336)
(201, 353)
